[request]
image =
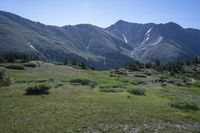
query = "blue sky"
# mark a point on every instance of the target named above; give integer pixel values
(106, 12)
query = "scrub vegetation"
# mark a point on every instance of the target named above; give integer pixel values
(56, 97)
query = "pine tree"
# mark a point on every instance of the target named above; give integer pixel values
(148, 65)
(157, 63)
(65, 61)
(82, 65)
(74, 63)
(4, 79)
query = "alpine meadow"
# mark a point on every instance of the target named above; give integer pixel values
(91, 66)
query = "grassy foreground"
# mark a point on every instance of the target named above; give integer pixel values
(98, 101)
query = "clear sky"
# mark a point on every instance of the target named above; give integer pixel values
(106, 12)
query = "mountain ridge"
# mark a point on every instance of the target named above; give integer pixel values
(102, 48)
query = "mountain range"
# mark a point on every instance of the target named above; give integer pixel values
(102, 48)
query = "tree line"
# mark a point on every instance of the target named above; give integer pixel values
(81, 64)
(12, 57)
(172, 67)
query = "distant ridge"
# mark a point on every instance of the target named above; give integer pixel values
(102, 48)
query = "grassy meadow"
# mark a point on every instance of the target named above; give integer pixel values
(99, 101)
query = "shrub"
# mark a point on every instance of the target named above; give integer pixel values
(185, 105)
(82, 65)
(4, 78)
(59, 85)
(140, 76)
(112, 85)
(138, 82)
(38, 90)
(128, 96)
(163, 84)
(119, 71)
(197, 84)
(178, 83)
(15, 66)
(92, 68)
(59, 63)
(2, 60)
(135, 66)
(30, 65)
(137, 91)
(83, 82)
(111, 90)
(65, 61)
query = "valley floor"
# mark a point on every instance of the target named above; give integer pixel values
(105, 106)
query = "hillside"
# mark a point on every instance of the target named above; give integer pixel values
(165, 42)
(84, 100)
(84, 42)
(101, 48)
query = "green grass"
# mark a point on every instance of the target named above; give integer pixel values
(80, 108)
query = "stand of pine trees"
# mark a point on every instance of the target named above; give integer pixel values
(12, 57)
(172, 67)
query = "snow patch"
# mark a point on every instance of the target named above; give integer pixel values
(131, 52)
(148, 31)
(88, 46)
(158, 41)
(147, 35)
(33, 47)
(125, 39)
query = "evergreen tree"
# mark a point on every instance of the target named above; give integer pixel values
(148, 65)
(4, 79)
(157, 63)
(2, 59)
(65, 61)
(74, 62)
(82, 65)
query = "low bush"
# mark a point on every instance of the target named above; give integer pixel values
(138, 82)
(58, 63)
(185, 105)
(111, 90)
(178, 83)
(59, 85)
(15, 66)
(83, 82)
(137, 91)
(140, 76)
(112, 86)
(38, 90)
(119, 71)
(196, 84)
(4, 78)
(148, 73)
(128, 96)
(30, 65)
(163, 84)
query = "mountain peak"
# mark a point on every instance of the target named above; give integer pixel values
(113, 46)
(173, 24)
(121, 22)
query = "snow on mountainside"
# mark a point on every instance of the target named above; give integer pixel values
(126, 41)
(102, 48)
(165, 42)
